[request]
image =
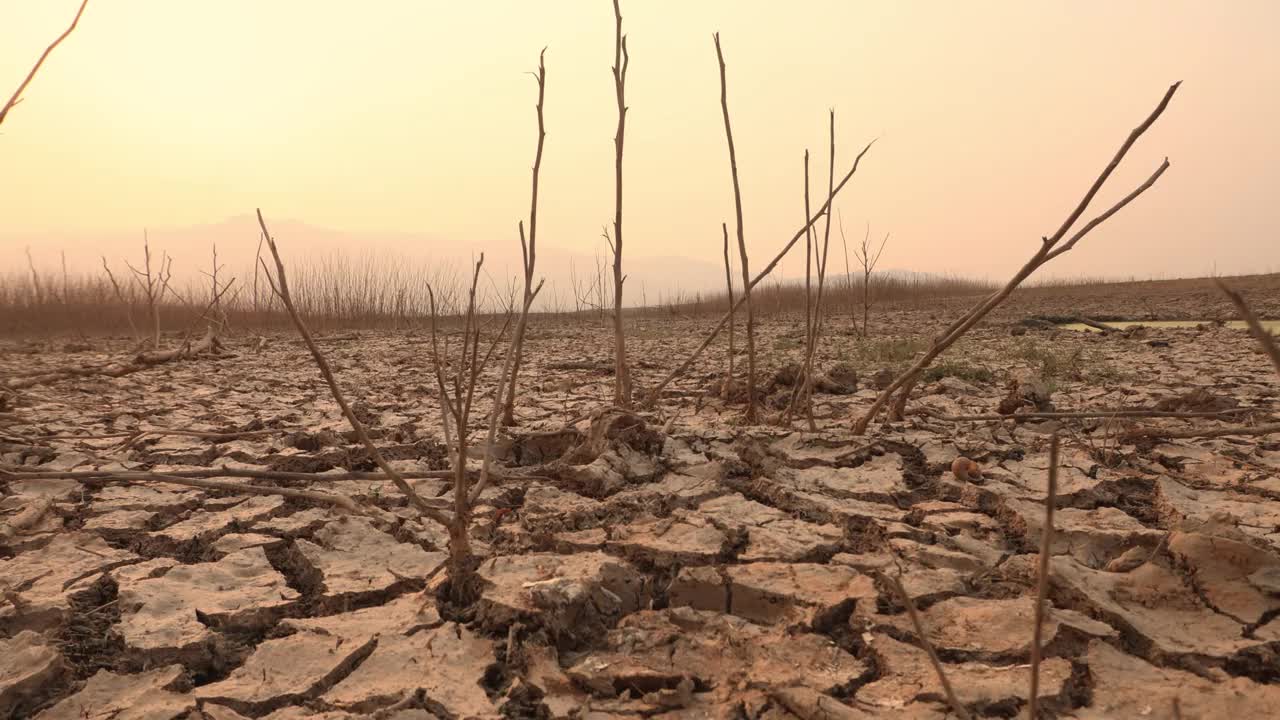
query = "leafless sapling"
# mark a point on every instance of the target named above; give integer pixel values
(622, 371)
(868, 260)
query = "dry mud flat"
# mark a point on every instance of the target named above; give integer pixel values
(686, 567)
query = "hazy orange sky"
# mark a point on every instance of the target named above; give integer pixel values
(415, 117)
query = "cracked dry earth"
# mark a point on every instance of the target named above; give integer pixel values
(688, 567)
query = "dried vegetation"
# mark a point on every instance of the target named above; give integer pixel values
(207, 532)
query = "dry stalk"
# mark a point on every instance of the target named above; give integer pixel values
(621, 61)
(17, 473)
(750, 416)
(335, 499)
(17, 94)
(1050, 247)
(656, 392)
(1042, 580)
(728, 281)
(529, 255)
(1084, 415)
(799, 386)
(1169, 434)
(280, 287)
(1259, 332)
(128, 304)
(956, 705)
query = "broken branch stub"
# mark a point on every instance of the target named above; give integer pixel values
(1050, 247)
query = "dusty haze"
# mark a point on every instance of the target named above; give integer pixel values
(409, 127)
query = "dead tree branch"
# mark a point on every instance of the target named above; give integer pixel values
(956, 706)
(1042, 581)
(1050, 247)
(17, 94)
(280, 287)
(728, 281)
(1090, 414)
(1260, 333)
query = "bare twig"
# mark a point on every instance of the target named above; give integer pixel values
(868, 260)
(750, 416)
(1042, 581)
(508, 370)
(1260, 333)
(17, 473)
(17, 94)
(1085, 415)
(956, 705)
(1050, 247)
(280, 286)
(1170, 434)
(128, 304)
(334, 499)
(728, 280)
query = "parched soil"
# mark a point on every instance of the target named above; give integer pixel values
(671, 563)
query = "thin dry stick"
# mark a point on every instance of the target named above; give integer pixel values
(529, 253)
(334, 499)
(1042, 582)
(17, 94)
(1153, 432)
(621, 61)
(815, 329)
(1050, 247)
(798, 389)
(1085, 415)
(280, 287)
(15, 473)
(954, 701)
(198, 479)
(728, 280)
(656, 392)
(822, 272)
(808, 293)
(128, 304)
(1260, 333)
(848, 277)
(742, 243)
